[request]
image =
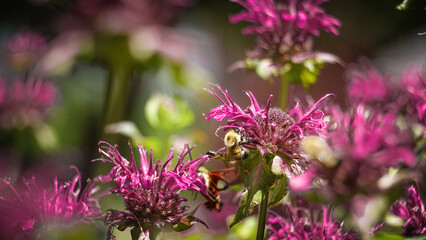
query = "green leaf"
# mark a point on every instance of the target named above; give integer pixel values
(243, 208)
(421, 237)
(305, 73)
(78, 231)
(125, 128)
(186, 223)
(257, 177)
(278, 191)
(264, 68)
(165, 113)
(136, 233)
(309, 73)
(387, 237)
(257, 198)
(246, 230)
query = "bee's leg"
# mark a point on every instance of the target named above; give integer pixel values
(214, 154)
(211, 153)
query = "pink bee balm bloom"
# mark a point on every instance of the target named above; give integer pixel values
(26, 210)
(371, 137)
(306, 223)
(370, 87)
(284, 27)
(151, 191)
(270, 129)
(302, 182)
(24, 48)
(26, 103)
(363, 146)
(413, 82)
(412, 211)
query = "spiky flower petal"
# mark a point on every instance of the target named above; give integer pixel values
(25, 210)
(25, 103)
(270, 129)
(413, 212)
(150, 191)
(368, 86)
(284, 28)
(306, 223)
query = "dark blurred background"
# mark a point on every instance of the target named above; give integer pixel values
(371, 29)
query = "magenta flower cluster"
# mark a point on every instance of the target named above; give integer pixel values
(372, 137)
(306, 223)
(26, 210)
(412, 211)
(151, 191)
(366, 143)
(284, 28)
(26, 103)
(270, 129)
(370, 87)
(23, 49)
(374, 134)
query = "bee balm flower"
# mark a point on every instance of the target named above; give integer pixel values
(306, 223)
(26, 103)
(23, 49)
(26, 210)
(270, 129)
(151, 191)
(413, 211)
(284, 28)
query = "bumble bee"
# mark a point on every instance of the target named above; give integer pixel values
(233, 140)
(215, 181)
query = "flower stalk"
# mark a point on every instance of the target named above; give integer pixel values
(262, 216)
(117, 94)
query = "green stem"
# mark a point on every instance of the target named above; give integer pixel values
(262, 216)
(117, 96)
(115, 109)
(284, 92)
(118, 87)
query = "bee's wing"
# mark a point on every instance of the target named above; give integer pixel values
(223, 178)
